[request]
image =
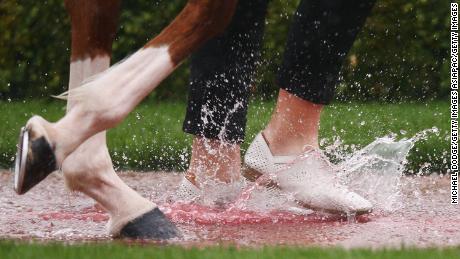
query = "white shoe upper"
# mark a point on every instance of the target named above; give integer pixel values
(187, 192)
(259, 157)
(309, 177)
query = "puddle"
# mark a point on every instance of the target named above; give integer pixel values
(50, 212)
(409, 210)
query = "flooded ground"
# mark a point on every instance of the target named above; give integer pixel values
(423, 218)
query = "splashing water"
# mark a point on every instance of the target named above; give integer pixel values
(374, 172)
(259, 214)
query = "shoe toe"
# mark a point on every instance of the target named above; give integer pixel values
(357, 204)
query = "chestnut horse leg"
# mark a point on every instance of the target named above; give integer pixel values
(89, 168)
(104, 101)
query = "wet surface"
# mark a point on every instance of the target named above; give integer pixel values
(50, 212)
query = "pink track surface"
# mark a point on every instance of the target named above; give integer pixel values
(50, 212)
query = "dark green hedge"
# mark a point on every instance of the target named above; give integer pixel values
(401, 53)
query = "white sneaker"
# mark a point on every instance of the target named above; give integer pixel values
(309, 177)
(212, 193)
(186, 192)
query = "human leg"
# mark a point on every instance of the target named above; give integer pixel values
(320, 37)
(293, 125)
(221, 73)
(321, 34)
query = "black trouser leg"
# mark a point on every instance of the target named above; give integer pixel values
(321, 34)
(221, 73)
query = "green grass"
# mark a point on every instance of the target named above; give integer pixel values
(151, 138)
(113, 250)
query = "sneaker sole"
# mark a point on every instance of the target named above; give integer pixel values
(250, 174)
(336, 212)
(253, 175)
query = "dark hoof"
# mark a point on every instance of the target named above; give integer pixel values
(151, 225)
(35, 160)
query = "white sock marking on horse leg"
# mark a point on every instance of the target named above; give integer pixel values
(105, 100)
(83, 69)
(89, 168)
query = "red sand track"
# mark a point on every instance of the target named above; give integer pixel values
(50, 212)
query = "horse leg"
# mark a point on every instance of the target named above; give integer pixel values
(105, 101)
(89, 168)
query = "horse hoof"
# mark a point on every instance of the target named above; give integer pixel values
(151, 225)
(35, 160)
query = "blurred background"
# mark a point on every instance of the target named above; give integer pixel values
(401, 56)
